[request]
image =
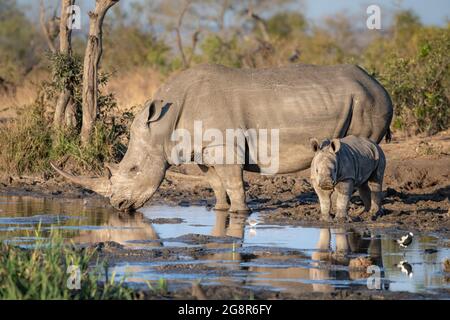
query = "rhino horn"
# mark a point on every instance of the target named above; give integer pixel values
(99, 185)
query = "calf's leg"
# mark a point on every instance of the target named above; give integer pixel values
(365, 195)
(376, 187)
(344, 191)
(377, 197)
(325, 203)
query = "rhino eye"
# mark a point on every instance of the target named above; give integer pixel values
(134, 169)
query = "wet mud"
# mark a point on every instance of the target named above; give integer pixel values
(290, 254)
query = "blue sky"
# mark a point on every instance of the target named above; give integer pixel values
(434, 12)
(430, 11)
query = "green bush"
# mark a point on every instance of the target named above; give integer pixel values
(18, 45)
(41, 273)
(30, 142)
(25, 143)
(286, 24)
(418, 83)
(221, 51)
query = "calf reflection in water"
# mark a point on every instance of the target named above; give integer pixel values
(328, 271)
(338, 265)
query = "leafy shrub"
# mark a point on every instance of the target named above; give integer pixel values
(17, 42)
(286, 24)
(221, 51)
(419, 83)
(25, 144)
(29, 143)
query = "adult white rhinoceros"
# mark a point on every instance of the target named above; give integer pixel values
(301, 102)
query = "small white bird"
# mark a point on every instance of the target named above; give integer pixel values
(252, 222)
(252, 232)
(406, 268)
(406, 240)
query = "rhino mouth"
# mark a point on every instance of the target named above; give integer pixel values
(124, 205)
(327, 185)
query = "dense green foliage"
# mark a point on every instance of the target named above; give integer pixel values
(411, 60)
(17, 42)
(30, 142)
(417, 76)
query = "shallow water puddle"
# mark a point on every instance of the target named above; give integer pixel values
(237, 249)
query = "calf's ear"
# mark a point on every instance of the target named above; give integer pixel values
(314, 144)
(335, 145)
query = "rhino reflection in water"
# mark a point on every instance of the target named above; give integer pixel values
(300, 102)
(121, 229)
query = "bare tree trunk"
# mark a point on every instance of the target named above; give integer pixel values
(261, 23)
(91, 63)
(185, 59)
(44, 28)
(187, 3)
(63, 105)
(221, 19)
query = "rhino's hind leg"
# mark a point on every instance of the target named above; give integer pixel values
(376, 188)
(365, 195)
(233, 181)
(377, 198)
(215, 182)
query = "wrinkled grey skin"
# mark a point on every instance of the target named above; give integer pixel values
(340, 166)
(302, 101)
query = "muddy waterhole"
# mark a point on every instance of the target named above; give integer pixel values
(220, 248)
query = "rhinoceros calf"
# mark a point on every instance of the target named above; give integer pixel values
(298, 102)
(341, 165)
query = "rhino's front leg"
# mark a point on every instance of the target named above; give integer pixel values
(325, 203)
(233, 181)
(344, 191)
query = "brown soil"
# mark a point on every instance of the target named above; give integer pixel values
(417, 190)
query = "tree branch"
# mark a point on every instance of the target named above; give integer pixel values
(45, 31)
(92, 57)
(185, 8)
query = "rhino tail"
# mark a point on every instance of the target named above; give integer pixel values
(388, 136)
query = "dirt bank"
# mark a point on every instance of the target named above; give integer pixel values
(417, 189)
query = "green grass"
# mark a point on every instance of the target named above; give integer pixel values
(29, 143)
(161, 288)
(41, 273)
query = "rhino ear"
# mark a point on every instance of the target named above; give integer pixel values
(335, 145)
(155, 108)
(314, 144)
